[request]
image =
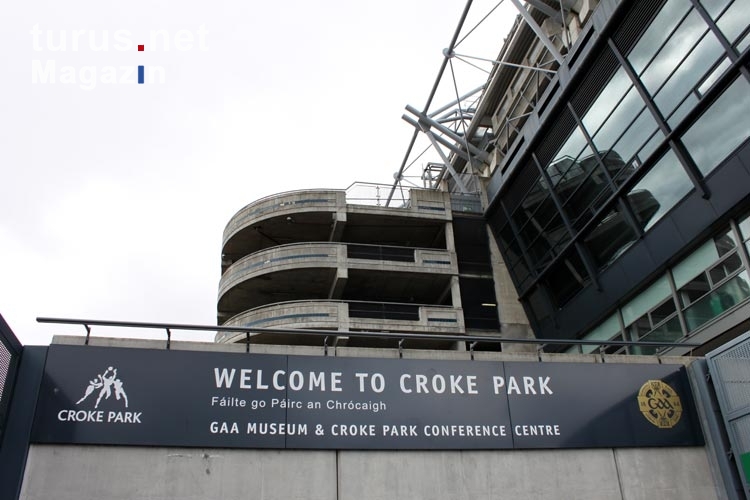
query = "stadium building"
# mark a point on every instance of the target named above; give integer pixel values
(591, 199)
(607, 152)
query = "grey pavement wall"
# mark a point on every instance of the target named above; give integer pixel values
(67, 472)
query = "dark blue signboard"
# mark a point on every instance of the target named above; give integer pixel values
(121, 396)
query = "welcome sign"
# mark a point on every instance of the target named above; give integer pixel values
(122, 396)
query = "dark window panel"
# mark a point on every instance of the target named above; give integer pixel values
(663, 311)
(694, 290)
(610, 238)
(566, 278)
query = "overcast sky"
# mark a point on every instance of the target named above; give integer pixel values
(114, 196)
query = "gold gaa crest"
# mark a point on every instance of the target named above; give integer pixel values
(660, 404)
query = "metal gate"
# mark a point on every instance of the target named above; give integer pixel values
(10, 354)
(729, 366)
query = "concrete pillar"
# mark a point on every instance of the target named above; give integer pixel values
(338, 224)
(455, 292)
(450, 244)
(513, 320)
(342, 274)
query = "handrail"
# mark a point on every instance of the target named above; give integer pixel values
(474, 339)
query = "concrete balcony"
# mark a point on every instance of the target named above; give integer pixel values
(285, 204)
(344, 316)
(422, 203)
(309, 216)
(277, 259)
(335, 271)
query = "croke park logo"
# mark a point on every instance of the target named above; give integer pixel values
(104, 386)
(107, 384)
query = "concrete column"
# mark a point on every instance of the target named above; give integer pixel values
(513, 320)
(343, 317)
(455, 292)
(342, 274)
(450, 244)
(338, 224)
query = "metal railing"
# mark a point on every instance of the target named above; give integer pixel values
(374, 194)
(472, 340)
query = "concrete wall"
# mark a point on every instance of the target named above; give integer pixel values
(117, 473)
(108, 473)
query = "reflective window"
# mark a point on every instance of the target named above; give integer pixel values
(646, 300)
(717, 302)
(660, 190)
(725, 242)
(551, 240)
(618, 123)
(521, 272)
(714, 75)
(608, 99)
(566, 278)
(668, 331)
(656, 139)
(723, 127)
(609, 329)
(539, 252)
(577, 168)
(731, 18)
(541, 227)
(672, 53)
(715, 7)
(744, 225)
(629, 147)
(691, 71)
(695, 263)
(744, 42)
(657, 33)
(530, 231)
(539, 303)
(663, 311)
(711, 280)
(733, 22)
(509, 244)
(652, 316)
(568, 169)
(610, 238)
(725, 268)
(622, 116)
(585, 194)
(695, 289)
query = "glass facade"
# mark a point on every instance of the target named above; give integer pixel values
(710, 282)
(655, 111)
(721, 128)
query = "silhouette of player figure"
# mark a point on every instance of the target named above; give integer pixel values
(119, 392)
(93, 385)
(106, 382)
